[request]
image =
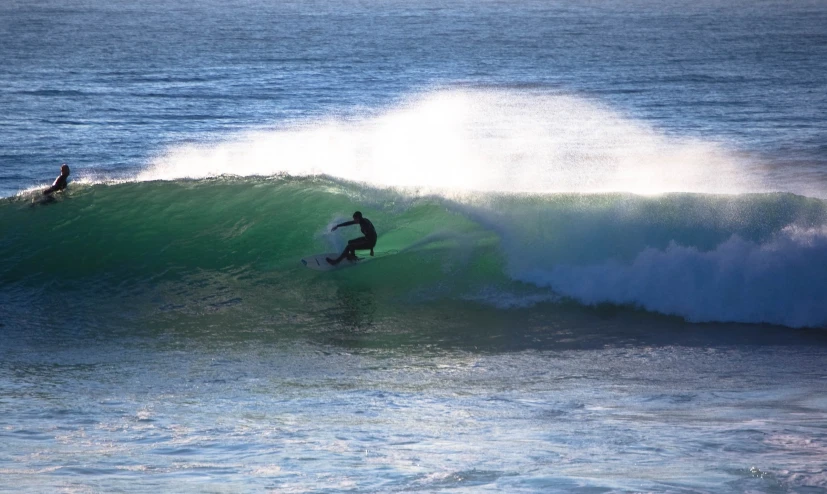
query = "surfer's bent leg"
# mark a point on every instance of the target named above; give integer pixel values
(353, 245)
(362, 244)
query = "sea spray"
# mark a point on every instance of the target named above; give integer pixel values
(465, 140)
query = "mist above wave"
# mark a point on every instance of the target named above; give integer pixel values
(476, 140)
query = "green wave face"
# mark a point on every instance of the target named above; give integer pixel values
(229, 250)
(225, 250)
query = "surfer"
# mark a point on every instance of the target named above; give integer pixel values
(361, 243)
(60, 181)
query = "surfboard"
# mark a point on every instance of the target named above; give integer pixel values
(39, 199)
(318, 262)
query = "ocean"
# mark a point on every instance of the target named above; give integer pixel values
(601, 266)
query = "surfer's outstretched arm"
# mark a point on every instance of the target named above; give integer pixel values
(346, 223)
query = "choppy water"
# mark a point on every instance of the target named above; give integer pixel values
(240, 417)
(606, 224)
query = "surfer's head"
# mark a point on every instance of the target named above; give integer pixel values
(64, 169)
(357, 215)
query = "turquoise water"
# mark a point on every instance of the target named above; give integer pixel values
(706, 258)
(602, 228)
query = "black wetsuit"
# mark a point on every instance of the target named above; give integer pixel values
(369, 232)
(60, 184)
(368, 242)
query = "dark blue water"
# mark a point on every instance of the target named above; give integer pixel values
(106, 85)
(607, 223)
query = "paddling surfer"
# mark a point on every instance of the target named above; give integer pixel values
(361, 243)
(60, 181)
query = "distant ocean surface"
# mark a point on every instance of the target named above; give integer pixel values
(603, 228)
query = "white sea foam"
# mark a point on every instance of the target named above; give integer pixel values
(781, 281)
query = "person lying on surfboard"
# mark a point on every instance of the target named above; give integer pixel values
(60, 181)
(361, 243)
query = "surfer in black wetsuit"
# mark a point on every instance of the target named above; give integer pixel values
(361, 243)
(60, 181)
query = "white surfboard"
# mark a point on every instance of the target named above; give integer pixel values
(319, 262)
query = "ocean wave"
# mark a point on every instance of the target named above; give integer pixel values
(754, 258)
